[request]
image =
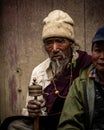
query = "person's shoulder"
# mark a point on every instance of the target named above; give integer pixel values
(43, 65)
(85, 71)
(84, 58)
(83, 74)
(83, 53)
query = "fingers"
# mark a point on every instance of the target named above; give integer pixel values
(34, 107)
(43, 104)
(34, 104)
(34, 113)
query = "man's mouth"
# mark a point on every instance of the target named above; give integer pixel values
(101, 63)
(57, 57)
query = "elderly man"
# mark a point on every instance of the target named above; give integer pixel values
(55, 74)
(84, 105)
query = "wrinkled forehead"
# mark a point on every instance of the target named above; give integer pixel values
(57, 38)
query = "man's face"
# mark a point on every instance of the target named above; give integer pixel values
(57, 48)
(59, 51)
(98, 56)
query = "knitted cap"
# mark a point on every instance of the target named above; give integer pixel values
(99, 35)
(58, 24)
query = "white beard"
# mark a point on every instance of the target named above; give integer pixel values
(59, 65)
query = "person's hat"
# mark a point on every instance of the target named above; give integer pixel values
(58, 24)
(99, 35)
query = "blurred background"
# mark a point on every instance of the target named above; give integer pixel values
(21, 47)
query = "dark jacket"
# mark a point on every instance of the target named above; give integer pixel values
(79, 105)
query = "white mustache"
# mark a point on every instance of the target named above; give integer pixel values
(57, 54)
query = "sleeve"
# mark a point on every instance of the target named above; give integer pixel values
(72, 117)
(38, 75)
(24, 110)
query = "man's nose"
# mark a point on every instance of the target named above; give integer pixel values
(55, 47)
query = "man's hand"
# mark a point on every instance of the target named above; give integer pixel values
(34, 107)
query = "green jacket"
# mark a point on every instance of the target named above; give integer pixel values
(78, 109)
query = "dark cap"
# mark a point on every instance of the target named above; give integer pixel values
(99, 36)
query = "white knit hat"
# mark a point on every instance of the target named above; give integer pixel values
(58, 24)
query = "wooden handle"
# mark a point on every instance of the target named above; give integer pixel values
(36, 123)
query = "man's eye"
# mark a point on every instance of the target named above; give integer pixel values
(60, 40)
(98, 50)
(48, 42)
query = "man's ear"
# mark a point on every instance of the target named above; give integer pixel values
(72, 45)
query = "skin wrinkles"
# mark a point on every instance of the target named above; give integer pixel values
(58, 49)
(98, 56)
(98, 60)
